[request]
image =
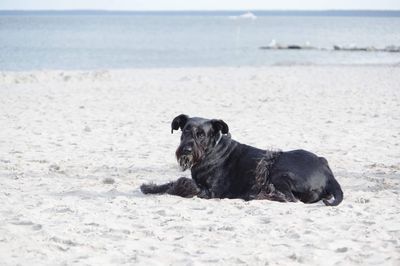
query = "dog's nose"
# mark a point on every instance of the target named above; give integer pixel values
(187, 150)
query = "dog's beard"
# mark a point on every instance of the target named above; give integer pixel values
(185, 162)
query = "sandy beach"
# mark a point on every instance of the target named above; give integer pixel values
(76, 145)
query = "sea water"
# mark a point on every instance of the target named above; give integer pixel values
(103, 40)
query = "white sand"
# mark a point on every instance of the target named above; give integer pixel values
(63, 133)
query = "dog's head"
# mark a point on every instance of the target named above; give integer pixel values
(199, 137)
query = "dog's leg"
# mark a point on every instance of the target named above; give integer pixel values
(184, 187)
(282, 188)
(278, 191)
(271, 193)
(273, 196)
(155, 189)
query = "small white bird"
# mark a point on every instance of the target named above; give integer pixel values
(272, 43)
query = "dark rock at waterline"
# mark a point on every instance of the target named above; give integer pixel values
(390, 48)
(288, 47)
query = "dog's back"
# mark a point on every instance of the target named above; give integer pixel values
(230, 169)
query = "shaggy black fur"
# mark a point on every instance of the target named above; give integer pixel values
(224, 168)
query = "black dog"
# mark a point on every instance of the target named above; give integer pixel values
(224, 168)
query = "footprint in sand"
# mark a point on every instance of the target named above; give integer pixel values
(108, 181)
(341, 250)
(33, 226)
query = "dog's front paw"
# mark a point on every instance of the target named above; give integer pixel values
(148, 188)
(155, 189)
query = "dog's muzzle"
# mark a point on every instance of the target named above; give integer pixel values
(185, 157)
(189, 155)
(185, 161)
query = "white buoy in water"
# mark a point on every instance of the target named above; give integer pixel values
(247, 15)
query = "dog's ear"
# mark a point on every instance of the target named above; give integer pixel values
(220, 125)
(179, 122)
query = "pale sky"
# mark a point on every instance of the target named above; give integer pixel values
(200, 4)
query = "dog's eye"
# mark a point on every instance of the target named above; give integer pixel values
(200, 135)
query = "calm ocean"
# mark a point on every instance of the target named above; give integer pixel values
(100, 40)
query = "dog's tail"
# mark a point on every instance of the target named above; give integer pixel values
(334, 190)
(155, 189)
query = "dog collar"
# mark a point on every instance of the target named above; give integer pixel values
(219, 139)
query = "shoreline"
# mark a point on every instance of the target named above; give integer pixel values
(275, 65)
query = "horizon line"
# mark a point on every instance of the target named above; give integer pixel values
(207, 10)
